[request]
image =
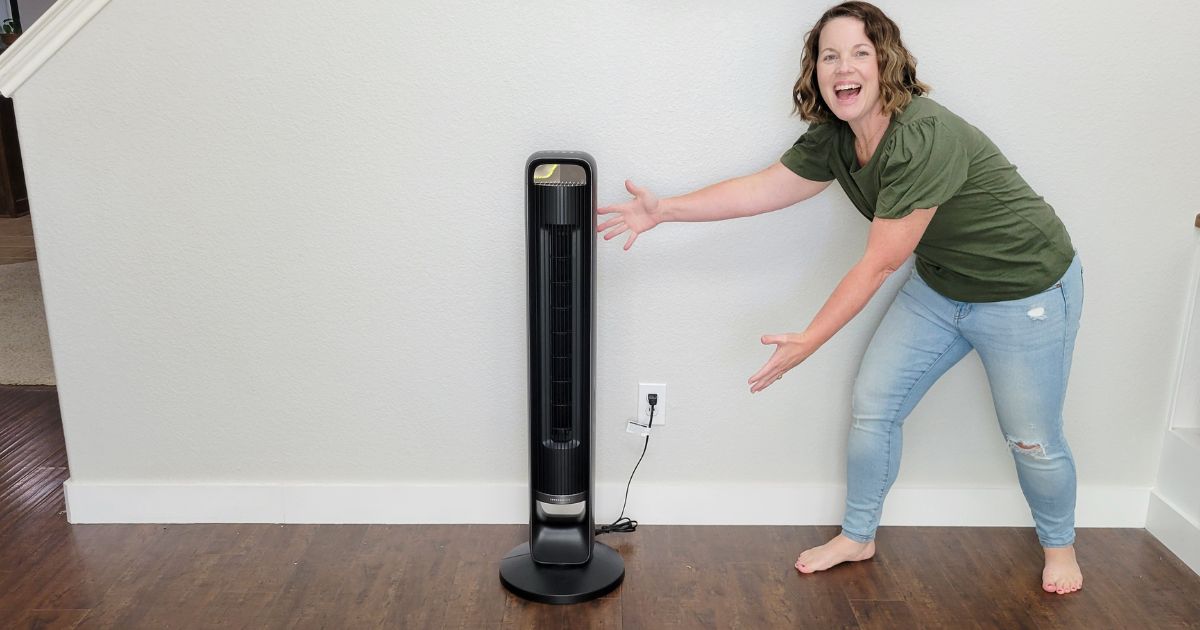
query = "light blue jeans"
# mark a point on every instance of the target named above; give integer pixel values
(1026, 348)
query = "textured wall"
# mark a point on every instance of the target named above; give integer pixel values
(279, 245)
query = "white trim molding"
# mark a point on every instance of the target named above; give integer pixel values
(652, 504)
(1172, 527)
(1184, 408)
(1174, 515)
(45, 37)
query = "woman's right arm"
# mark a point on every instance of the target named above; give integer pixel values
(770, 189)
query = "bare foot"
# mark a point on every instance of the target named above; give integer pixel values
(836, 551)
(1062, 574)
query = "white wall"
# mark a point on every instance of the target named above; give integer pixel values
(290, 250)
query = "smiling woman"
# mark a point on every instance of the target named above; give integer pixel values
(876, 51)
(990, 253)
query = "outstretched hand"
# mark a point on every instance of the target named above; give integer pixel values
(635, 216)
(791, 349)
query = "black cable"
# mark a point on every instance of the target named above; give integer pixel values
(625, 525)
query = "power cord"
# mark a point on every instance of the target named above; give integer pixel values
(625, 525)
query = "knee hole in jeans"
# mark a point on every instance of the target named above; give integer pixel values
(1032, 450)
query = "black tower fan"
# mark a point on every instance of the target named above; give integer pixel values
(562, 563)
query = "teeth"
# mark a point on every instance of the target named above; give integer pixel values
(852, 86)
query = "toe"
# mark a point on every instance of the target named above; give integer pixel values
(1052, 583)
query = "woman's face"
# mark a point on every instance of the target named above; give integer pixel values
(847, 69)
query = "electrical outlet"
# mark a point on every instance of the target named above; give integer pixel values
(660, 410)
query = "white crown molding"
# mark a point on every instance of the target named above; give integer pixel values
(48, 34)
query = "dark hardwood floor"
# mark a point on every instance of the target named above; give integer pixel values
(16, 240)
(56, 575)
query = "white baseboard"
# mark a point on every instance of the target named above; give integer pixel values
(651, 504)
(1175, 530)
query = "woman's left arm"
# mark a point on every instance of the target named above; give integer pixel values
(889, 244)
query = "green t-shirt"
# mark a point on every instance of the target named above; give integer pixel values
(992, 238)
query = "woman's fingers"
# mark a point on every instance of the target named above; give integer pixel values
(757, 375)
(766, 381)
(772, 371)
(617, 225)
(761, 384)
(760, 380)
(609, 223)
(770, 367)
(615, 232)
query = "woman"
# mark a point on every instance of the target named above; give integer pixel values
(995, 272)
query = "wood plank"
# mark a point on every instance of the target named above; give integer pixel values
(52, 619)
(883, 614)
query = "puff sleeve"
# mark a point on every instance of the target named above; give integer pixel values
(925, 166)
(809, 156)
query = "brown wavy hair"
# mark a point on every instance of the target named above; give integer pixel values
(897, 67)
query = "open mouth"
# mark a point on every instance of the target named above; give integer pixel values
(847, 91)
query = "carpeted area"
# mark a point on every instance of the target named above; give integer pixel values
(24, 341)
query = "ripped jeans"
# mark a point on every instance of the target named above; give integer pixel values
(1026, 348)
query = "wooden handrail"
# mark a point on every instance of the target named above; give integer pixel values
(1198, 220)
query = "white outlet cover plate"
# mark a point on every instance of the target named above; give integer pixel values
(660, 410)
